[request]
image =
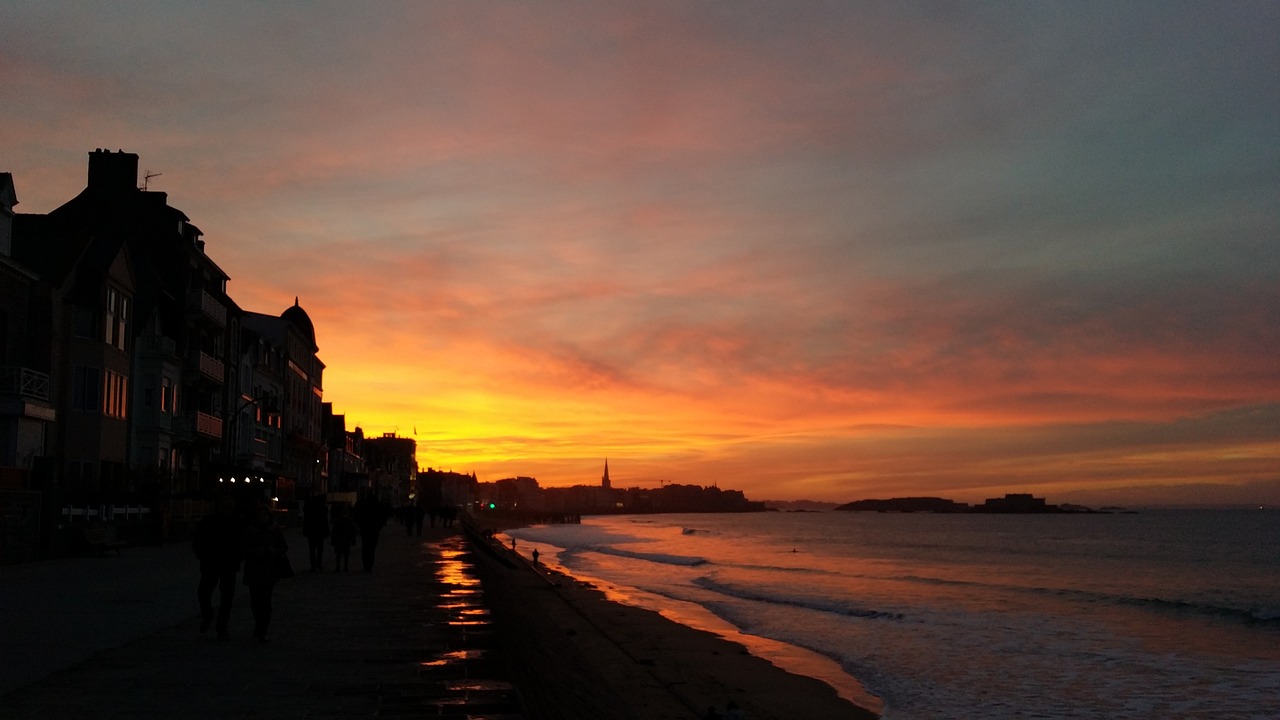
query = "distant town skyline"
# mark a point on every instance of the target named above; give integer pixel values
(804, 250)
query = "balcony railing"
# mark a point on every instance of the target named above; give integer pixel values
(209, 425)
(105, 512)
(157, 344)
(208, 306)
(24, 382)
(211, 366)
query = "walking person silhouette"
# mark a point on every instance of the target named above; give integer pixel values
(370, 516)
(217, 545)
(264, 546)
(344, 536)
(315, 526)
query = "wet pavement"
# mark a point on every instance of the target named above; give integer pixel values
(119, 638)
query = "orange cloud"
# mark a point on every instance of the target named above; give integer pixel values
(823, 250)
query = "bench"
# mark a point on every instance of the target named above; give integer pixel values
(100, 539)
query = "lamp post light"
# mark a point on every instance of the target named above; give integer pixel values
(232, 452)
(233, 439)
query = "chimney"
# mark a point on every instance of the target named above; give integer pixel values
(113, 172)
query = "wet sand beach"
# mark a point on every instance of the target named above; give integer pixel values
(577, 655)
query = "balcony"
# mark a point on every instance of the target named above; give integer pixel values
(157, 345)
(204, 303)
(210, 366)
(24, 382)
(209, 425)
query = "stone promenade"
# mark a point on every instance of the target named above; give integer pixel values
(118, 637)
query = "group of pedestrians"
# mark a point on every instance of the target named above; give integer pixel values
(222, 542)
(342, 524)
(412, 516)
(229, 538)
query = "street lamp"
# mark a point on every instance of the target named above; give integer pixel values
(233, 439)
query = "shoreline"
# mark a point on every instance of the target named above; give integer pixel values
(576, 653)
(787, 657)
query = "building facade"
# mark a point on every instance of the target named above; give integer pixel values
(129, 378)
(393, 468)
(304, 468)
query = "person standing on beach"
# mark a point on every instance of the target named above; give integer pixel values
(216, 542)
(315, 527)
(264, 545)
(370, 516)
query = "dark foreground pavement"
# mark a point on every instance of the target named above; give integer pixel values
(118, 637)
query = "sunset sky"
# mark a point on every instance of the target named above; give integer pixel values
(806, 250)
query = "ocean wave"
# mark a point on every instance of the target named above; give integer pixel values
(1260, 615)
(1268, 616)
(820, 604)
(784, 569)
(659, 558)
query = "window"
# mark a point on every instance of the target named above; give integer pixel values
(168, 397)
(115, 319)
(86, 393)
(115, 395)
(82, 474)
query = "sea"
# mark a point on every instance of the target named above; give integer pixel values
(1160, 614)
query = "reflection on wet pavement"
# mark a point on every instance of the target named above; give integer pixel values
(460, 678)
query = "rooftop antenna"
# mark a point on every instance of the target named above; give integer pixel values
(146, 179)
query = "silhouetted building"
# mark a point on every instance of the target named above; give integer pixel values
(304, 462)
(605, 499)
(255, 427)
(442, 488)
(27, 409)
(79, 251)
(128, 376)
(1017, 503)
(8, 201)
(347, 472)
(512, 493)
(393, 467)
(140, 339)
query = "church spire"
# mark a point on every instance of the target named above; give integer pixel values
(604, 481)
